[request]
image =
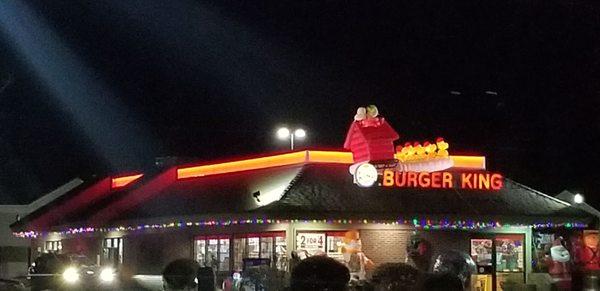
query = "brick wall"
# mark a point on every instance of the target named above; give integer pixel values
(389, 246)
(385, 246)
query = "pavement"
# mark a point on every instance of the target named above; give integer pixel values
(137, 283)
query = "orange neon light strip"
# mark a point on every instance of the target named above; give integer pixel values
(243, 165)
(267, 162)
(124, 181)
(469, 162)
(302, 157)
(330, 157)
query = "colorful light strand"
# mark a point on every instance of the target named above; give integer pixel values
(424, 224)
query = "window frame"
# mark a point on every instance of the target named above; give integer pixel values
(218, 238)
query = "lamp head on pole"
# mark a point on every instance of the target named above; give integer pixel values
(283, 133)
(578, 198)
(299, 133)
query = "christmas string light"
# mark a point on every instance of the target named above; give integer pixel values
(420, 224)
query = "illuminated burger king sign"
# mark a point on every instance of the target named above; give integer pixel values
(413, 165)
(442, 180)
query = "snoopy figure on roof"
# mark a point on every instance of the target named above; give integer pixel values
(371, 140)
(368, 116)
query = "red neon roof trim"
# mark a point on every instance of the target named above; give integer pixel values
(119, 182)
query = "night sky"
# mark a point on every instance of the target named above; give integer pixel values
(106, 86)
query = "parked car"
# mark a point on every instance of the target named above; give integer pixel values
(70, 272)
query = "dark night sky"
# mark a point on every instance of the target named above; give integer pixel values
(108, 85)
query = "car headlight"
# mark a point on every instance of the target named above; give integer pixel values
(71, 275)
(107, 275)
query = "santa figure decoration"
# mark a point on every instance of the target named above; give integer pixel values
(588, 256)
(558, 266)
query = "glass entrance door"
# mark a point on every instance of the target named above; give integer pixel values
(482, 253)
(510, 257)
(500, 260)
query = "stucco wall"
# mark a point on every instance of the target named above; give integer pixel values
(150, 253)
(13, 250)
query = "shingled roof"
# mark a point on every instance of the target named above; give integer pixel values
(309, 191)
(327, 191)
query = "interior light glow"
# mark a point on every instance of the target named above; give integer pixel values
(123, 181)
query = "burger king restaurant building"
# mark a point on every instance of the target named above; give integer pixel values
(223, 213)
(227, 214)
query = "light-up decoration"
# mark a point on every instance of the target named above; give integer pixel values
(243, 165)
(370, 137)
(587, 253)
(442, 180)
(558, 266)
(468, 162)
(416, 222)
(353, 256)
(287, 159)
(123, 181)
(301, 157)
(371, 140)
(429, 157)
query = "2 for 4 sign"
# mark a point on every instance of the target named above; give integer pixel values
(311, 242)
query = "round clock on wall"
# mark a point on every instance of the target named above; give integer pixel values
(365, 175)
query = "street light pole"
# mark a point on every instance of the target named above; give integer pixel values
(284, 133)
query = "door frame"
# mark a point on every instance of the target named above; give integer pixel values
(493, 236)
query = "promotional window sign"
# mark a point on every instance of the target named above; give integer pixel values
(311, 242)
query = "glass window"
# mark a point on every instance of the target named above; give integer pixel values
(53, 246)
(281, 262)
(269, 245)
(224, 254)
(200, 249)
(335, 241)
(266, 247)
(481, 251)
(253, 247)
(509, 259)
(213, 252)
(509, 253)
(239, 253)
(112, 251)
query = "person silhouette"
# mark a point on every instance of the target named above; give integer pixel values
(180, 275)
